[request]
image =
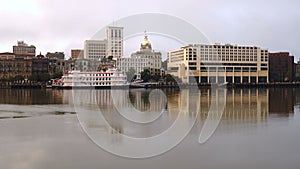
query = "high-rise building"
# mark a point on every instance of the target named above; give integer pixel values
(281, 67)
(144, 58)
(114, 36)
(95, 49)
(22, 50)
(219, 63)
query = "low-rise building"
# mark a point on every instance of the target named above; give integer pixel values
(55, 55)
(145, 58)
(11, 67)
(77, 53)
(200, 63)
(281, 67)
(297, 71)
(22, 50)
(40, 65)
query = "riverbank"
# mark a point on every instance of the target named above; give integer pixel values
(32, 85)
(173, 85)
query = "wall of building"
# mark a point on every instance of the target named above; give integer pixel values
(281, 67)
(10, 68)
(219, 63)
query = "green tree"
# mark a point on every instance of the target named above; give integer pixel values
(33, 78)
(130, 74)
(156, 77)
(57, 74)
(19, 77)
(169, 78)
(44, 77)
(146, 75)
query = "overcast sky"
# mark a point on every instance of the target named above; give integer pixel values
(59, 25)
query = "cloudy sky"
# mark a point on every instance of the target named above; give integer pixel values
(59, 25)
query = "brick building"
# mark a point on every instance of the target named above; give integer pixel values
(77, 53)
(11, 67)
(281, 67)
(297, 71)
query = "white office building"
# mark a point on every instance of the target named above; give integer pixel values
(95, 49)
(142, 59)
(219, 63)
(114, 36)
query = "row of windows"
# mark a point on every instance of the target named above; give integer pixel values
(226, 69)
(227, 47)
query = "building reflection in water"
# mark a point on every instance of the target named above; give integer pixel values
(242, 106)
(31, 96)
(282, 101)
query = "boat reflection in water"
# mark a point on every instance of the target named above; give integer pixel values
(259, 128)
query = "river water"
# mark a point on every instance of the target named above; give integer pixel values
(139, 128)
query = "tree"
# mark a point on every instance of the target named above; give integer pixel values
(39, 77)
(44, 77)
(169, 78)
(33, 77)
(130, 74)
(19, 77)
(156, 77)
(146, 75)
(57, 74)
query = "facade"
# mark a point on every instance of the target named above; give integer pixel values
(57, 55)
(40, 65)
(144, 58)
(60, 65)
(77, 53)
(12, 67)
(219, 63)
(7, 56)
(85, 65)
(297, 71)
(22, 50)
(95, 49)
(281, 67)
(114, 36)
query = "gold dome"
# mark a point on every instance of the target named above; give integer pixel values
(146, 43)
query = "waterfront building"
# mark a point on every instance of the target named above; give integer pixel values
(7, 56)
(60, 65)
(22, 50)
(11, 67)
(40, 65)
(281, 67)
(219, 63)
(95, 49)
(57, 55)
(77, 53)
(114, 36)
(145, 58)
(297, 70)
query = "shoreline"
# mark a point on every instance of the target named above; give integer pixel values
(242, 85)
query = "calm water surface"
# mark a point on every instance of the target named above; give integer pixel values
(259, 128)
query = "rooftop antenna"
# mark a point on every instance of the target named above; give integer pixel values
(145, 35)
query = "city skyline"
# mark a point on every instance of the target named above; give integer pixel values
(269, 24)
